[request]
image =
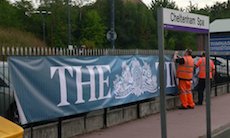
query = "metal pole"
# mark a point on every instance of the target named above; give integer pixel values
(208, 99)
(216, 77)
(69, 22)
(227, 75)
(43, 28)
(43, 14)
(112, 22)
(161, 70)
(59, 128)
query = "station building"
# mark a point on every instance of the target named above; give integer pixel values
(219, 36)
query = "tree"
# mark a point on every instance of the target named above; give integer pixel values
(159, 3)
(93, 30)
(23, 12)
(135, 24)
(58, 23)
(8, 15)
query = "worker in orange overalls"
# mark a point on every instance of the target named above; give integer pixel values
(202, 75)
(184, 74)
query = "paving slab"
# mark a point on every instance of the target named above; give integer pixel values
(180, 123)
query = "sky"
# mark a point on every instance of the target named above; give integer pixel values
(180, 3)
(185, 3)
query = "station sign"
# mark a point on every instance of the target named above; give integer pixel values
(183, 21)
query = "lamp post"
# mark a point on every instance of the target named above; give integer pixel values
(111, 34)
(112, 22)
(43, 20)
(69, 24)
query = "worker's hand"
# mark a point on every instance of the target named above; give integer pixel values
(175, 55)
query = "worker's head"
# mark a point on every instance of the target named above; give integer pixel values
(203, 54)
(188, 52)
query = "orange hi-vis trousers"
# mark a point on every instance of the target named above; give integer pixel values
(185, 91)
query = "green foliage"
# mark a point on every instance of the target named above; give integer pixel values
(220, 10)
(56, 23)
(135, 24)
(8, 15)
(162, 3)
(93, 30)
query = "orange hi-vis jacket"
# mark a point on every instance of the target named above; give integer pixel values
(185, 71)
(201, 64)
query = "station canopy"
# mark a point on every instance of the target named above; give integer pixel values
(220, 25)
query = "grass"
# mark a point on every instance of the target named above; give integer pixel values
(10, 37)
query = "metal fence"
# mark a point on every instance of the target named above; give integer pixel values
(7, 103)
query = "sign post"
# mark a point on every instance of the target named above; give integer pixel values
(161, 70)
(181, 21)
(207, 84)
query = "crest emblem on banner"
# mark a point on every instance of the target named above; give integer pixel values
(134, 79)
